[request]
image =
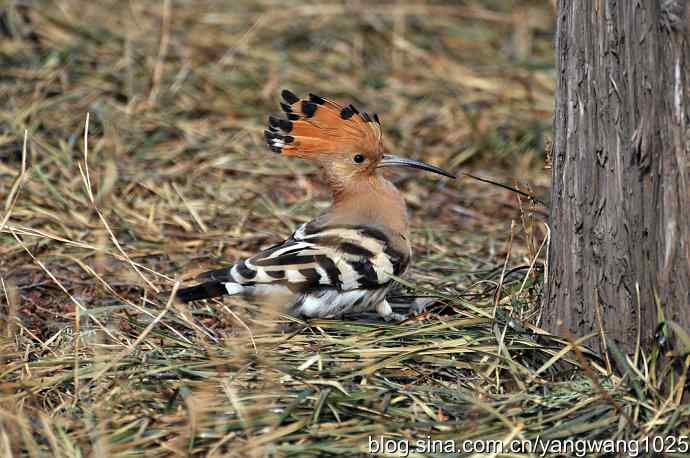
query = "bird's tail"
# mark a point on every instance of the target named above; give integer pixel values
(202, 291)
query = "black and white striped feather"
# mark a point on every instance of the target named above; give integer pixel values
(326, 271)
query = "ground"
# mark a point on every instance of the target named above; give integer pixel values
(132, 157)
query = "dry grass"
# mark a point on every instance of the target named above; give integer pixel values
(131, 159)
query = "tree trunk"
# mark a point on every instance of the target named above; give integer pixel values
(620, 246)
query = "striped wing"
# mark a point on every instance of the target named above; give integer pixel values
(341, 257)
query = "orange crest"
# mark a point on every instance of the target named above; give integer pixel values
(320, 126)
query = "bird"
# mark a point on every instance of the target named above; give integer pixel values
(343, 261)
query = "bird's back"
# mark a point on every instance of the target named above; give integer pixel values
(320, 271)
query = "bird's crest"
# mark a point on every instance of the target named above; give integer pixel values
(318, 126)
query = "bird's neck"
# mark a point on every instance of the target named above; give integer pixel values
(370, 199)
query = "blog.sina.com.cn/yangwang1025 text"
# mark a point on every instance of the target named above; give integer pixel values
(538, 446)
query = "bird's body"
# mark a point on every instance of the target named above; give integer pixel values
(342, 261)
(320, 271)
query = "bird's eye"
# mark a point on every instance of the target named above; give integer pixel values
(359, 158)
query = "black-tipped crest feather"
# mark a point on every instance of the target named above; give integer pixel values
(289, 96)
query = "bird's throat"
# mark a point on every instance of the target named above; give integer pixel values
(371, 200)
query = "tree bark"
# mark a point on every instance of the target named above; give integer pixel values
(620, 230)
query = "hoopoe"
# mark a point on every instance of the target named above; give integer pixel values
(340, 262)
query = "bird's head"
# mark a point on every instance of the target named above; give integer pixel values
(341, 140)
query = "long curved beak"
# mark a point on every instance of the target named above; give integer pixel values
(390, 160)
